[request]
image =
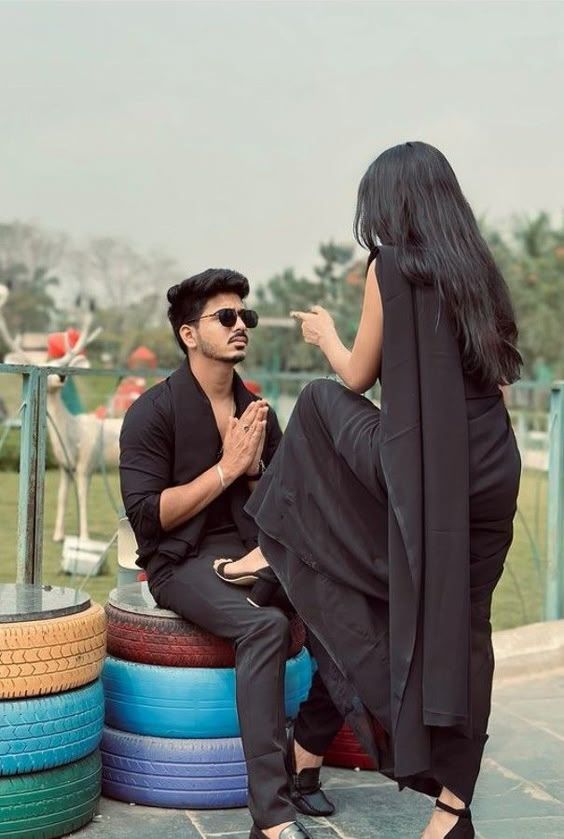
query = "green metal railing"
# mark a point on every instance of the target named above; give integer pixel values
(32, 476)
(33, 446)
(527, 415)
(554, 595)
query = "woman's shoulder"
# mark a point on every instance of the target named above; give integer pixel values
(381, 253)
(382, 265)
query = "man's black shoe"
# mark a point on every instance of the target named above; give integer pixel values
(305, 787)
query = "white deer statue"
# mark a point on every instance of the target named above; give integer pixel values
(82, 443)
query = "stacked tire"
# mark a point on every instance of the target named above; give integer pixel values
(52, 646)
(346, 752)
(172, 732)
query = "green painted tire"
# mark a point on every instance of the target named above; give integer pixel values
(45, 805)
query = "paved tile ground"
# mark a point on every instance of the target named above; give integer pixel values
(520, 793)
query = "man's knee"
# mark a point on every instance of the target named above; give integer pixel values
(270, 626)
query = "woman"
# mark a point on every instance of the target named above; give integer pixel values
(389, 528)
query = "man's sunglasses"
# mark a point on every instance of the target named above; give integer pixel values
(228, 317)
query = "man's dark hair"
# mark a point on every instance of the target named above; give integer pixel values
(187, 299)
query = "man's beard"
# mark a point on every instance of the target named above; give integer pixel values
(211, 352)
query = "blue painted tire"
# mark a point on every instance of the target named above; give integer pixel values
(49, 731)
(189, 702)
(164, 772)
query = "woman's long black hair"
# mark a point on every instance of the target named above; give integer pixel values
(410, 198)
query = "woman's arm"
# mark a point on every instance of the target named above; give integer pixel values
(358, 368)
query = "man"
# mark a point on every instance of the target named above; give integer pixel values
(192, 448)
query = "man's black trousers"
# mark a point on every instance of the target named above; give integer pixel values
(261, 638)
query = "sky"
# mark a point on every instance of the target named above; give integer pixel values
(236, 133)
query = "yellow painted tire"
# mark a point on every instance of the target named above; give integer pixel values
(50, 656)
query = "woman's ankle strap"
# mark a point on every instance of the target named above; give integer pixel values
(462, 813)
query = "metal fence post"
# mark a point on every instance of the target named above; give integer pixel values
(41, 439)
(554, 597)
(32, 476)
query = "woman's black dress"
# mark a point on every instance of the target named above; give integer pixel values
(388, 530)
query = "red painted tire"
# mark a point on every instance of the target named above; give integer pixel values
(168, 641)
(346, 752)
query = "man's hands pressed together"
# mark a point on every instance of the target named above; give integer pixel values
(244, 442)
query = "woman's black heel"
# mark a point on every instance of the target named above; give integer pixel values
(265, 587)
(463, 829)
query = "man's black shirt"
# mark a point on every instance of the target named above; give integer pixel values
(169, 437)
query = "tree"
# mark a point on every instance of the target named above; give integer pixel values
(337, 285)
(276, 349)
(116, 272)
(31, 247)
(130, 291)
(30, 306)
(29, 258)
(533, 265)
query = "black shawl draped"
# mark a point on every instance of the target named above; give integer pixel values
(424, 456)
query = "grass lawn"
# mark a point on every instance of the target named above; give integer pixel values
(518, 597)
(102, 520)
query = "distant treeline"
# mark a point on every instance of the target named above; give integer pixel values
(46, 272)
